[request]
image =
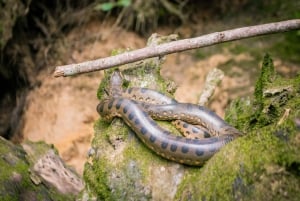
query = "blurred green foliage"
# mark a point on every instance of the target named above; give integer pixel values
(108, 6)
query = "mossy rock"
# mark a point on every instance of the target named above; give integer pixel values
(16, 180)
(263, 164)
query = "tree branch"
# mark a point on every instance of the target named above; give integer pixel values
(176, 46)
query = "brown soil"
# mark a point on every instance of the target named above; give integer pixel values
(62, 111)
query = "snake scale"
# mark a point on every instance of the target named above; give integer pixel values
(137, 107)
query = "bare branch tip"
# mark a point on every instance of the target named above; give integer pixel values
(58, 73)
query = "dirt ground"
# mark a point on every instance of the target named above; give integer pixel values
(62, 111)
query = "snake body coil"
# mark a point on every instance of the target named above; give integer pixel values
(136, 115)
(150, 99)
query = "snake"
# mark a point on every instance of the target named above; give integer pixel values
(138, 108)
(149, 98)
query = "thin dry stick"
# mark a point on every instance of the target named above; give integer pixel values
(176, 46)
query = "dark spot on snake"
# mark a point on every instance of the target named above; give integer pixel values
(110, 104)
(184, 149)
(137, 122)
(206, 134)
(201, 108)
(118, 105)
(129, 90)
(164, 145)
(100, 108)
(143, 130)
(199, 152)
(152, 138)
(185, 125)
(125, 109)
(130, 116)
(173, 147)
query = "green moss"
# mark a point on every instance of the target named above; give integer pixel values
(238, 114)
(96, 179)
(138, 151)
(38, 149)
(15, 179)
(135, 155)
(233, 172)
(259, 165)
(99, 175)
(271, 93)
(102, 89)
(132, 173)
(266, 76)
(12, 161)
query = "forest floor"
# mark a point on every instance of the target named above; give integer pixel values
(62, 111)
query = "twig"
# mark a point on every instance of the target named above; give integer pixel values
(176, 46)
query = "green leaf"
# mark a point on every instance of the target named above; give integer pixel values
(124, 3)
(105, 6)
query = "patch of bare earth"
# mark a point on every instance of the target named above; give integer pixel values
(62, 111)
(190, 74)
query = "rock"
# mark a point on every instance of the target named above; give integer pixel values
(17, 181)
(260, 165)
(49, 169)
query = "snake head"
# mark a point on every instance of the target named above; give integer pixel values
(115, 83)
(103, 110)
